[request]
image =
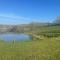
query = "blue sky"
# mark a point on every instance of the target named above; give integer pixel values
(25, 11)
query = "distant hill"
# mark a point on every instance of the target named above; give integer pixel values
(23, 27)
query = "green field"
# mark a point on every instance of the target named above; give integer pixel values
(47, 31)
(31, 50)
(47, 49)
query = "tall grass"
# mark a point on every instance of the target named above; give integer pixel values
(47, 49)
(31, 50)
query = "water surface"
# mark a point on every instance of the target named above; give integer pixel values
(16, 37)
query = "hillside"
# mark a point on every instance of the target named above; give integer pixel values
(28, 27)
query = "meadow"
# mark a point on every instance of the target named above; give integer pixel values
(31, 50)
(47, 49)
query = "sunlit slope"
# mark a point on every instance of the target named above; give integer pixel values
(52, 29)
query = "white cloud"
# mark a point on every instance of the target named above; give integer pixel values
(11, 16)
(13, 19)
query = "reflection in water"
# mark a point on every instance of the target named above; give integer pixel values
(16, 37)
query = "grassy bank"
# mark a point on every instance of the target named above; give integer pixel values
(47, 49)
(31, 50)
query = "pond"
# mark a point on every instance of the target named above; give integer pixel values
(16, 37)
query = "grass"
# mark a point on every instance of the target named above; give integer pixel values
(48, 31)
(47, 49)
(31, 50)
